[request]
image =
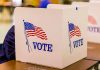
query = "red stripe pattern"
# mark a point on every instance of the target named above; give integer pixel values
(37, 32)
(74, 30)
(32, 30)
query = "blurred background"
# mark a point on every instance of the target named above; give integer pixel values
(7, 7)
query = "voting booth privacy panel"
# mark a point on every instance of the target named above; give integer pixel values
(94, 22)
(50, 37)
(93, 26)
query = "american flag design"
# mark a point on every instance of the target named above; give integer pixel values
(32, 30)
(74, 30)
(92, 20)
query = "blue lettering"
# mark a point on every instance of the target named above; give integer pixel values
(78, 43)
(75, 44)
(35, 45)
(39, 46)
(94, 29)
(42, 46)
(49, 47)
(81, 40)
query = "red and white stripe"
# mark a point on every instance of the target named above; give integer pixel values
(37, 32)
(75, 32)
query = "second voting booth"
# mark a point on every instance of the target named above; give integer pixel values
(94, 22)
(93, 26)
(50, 37)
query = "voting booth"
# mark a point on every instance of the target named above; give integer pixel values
(50, 37)
(94, 22)
(93, 26)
